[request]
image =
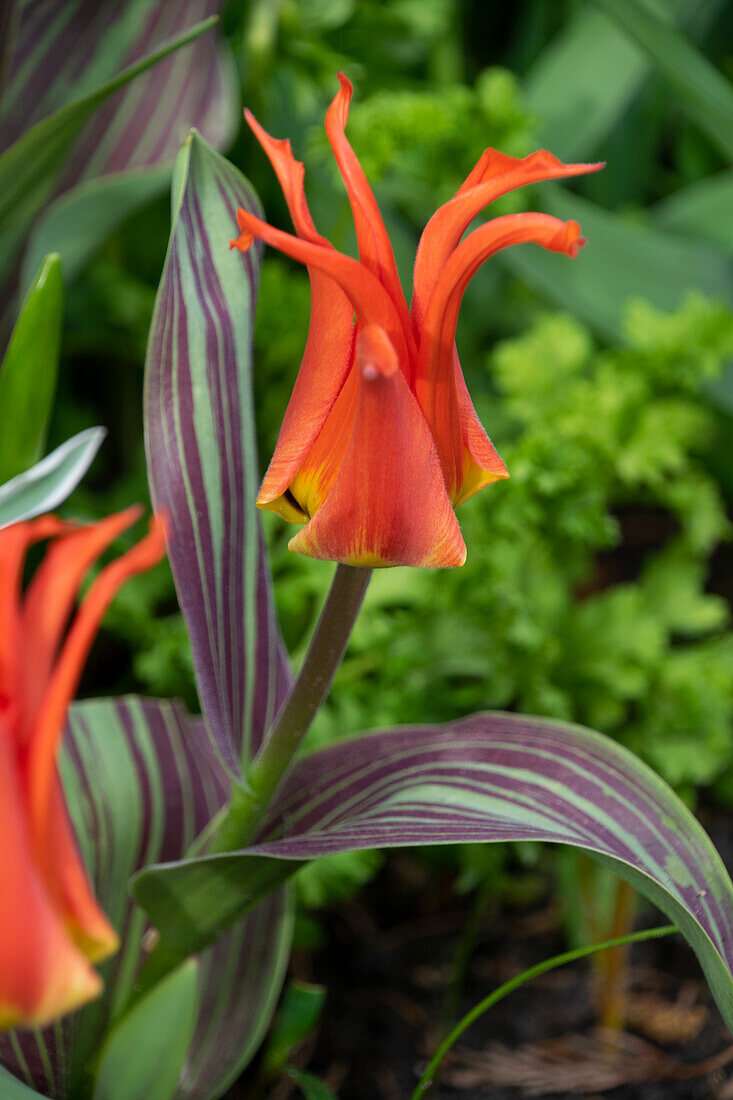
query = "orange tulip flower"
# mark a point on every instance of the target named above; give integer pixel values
(380, 441)
(51, 928)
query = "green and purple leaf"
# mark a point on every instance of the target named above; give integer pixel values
(56, 128)
(63, 53)
(492, 777)
(202, 457)
(142, 780)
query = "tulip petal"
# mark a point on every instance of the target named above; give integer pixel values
(482, 465)
(494, 175)
(375, 247)
(67, 883)
(435, 386)
(42, 973)
(46, 731)
(388, 505)
(14, 544)
(327, 354)
(314, 481)
(50, 597)
(370, 301)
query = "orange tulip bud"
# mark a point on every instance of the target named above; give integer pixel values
(380, 440)
(52, 928)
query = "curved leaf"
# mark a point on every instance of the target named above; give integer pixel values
(202, 458)
(142, 780)
(29, 370)
(77, 224)
(13, 1089)
(491, 777)
(143, 1055)
(50, 481)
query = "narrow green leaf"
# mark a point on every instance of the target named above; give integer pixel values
(143, 1056)
(587, 76)
(50, 481)
(13, 1089)
(704, 92)
(311, 1087)
(508, 987)
(78, 224)
(299, 1013)
(621, 260)
(29, 168)
(29, 371)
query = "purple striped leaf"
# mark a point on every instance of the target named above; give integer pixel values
(64, 57)
(142, 779)
(9, 17)
(202, 458)
(491, 777)
(63, 52)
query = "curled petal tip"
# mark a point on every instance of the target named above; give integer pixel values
(244, 241)
(345, 82)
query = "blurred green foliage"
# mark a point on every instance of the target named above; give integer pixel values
(597, 585)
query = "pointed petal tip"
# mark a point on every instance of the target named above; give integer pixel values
(375, 354)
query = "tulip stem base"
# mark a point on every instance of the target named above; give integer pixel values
(294, 719)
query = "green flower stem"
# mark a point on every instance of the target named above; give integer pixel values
(508, 987)
(307, 694)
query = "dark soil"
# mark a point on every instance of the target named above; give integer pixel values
(387, 966)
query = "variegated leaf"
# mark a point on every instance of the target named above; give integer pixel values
(65, 56)
(491, 777)
(202, 458)
(142, 780)
(65, 51)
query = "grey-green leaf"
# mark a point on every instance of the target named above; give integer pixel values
(13, 1089)
(621, 260)
(50, 481)
(29, 371)
(77, 224)
(143, 1056)
(702, 209)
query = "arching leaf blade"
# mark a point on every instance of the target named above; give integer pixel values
(492, 777)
